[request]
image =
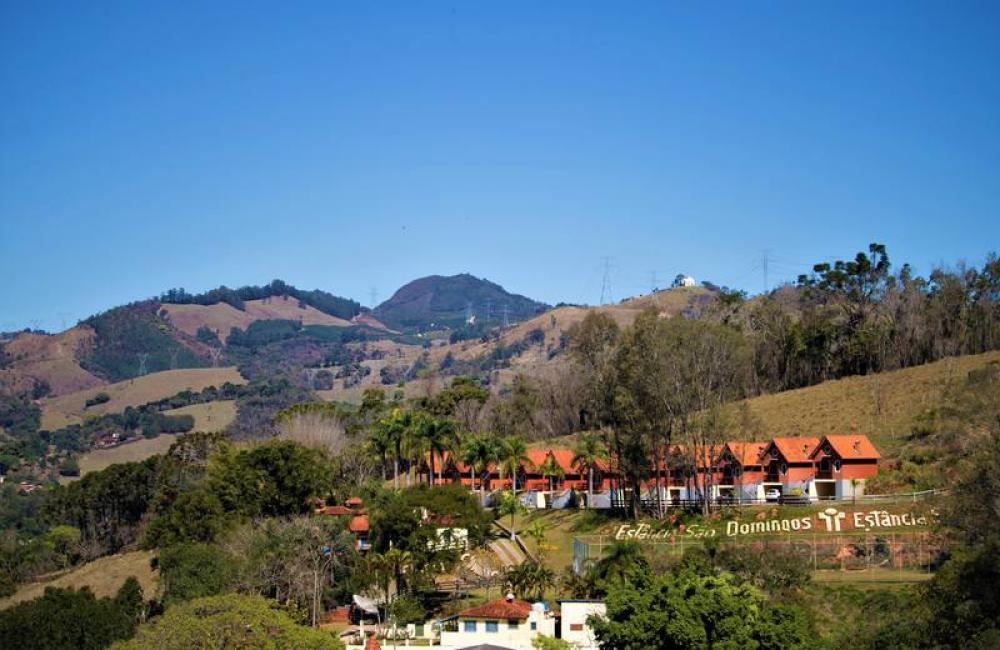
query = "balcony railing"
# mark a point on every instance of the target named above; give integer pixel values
(824, 474)
(772, 478)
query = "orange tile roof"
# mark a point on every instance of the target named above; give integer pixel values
(746, 453)
(796, 450)
(334, 510)
(359, 524)
(372, 643)
(850, 447)
(500, 608)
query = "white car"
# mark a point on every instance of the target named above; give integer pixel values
(772, 495)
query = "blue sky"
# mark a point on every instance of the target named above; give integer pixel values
(348, 146)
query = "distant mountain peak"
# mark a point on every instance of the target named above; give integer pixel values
(448, 301)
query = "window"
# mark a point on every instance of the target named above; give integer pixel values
(419, 629)
(513, 623)
(492, 626)
(576, 627)
(534, 626)
(469, 626)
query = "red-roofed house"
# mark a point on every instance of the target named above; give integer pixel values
(741, 471)
(507, 622)
(843, 464)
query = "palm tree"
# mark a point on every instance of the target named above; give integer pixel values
(480, 452)
(379, 445)
(393, 428)
(440, 435)
(551, 470)
(508, 504)
(513, 454)
(588, 451)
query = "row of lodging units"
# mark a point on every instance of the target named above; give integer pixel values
(813, 468)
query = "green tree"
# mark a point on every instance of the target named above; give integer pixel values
(689, 610)
(228, 621)
(195, 570)
(70, 619)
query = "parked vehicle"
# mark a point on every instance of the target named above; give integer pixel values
(773, 494)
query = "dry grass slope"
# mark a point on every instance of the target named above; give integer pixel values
(104, 576)
(130, 452)
(883, 406)
(210, 416)
(68, 409)
(49, 358)
(221, 317)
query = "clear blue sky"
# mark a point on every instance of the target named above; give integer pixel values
(355, 145)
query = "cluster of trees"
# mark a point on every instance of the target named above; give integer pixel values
(321, 300)
(857, 316)
(124, 333)
(73, 619)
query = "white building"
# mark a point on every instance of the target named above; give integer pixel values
(574, 627)
(502, 623)
(683, 281)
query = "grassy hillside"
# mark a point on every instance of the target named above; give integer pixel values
(130, 452)
(222, 317)
(51, 359)
(104, 576)
(882, 406)
(71, 408)
(210, 416)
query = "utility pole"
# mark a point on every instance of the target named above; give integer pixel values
(606, 281)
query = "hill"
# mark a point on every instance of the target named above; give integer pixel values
(222, 317)
(104, 576)
(49, 360)
(882, 405)
(439, 301)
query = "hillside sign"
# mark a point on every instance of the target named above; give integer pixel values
(829, 520)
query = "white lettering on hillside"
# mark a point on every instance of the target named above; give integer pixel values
(829, 520)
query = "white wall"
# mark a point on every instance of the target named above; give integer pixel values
(576, 613)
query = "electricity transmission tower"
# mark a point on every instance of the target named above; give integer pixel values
(506, 320)
(63, 319)
(606, 281)
(489, 310)
(373, 294)
(143, 356)
(764, 259)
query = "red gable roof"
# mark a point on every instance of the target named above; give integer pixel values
(334, 510)
(500, 608)
(795, 450)
(850, 447)
(746, 453)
